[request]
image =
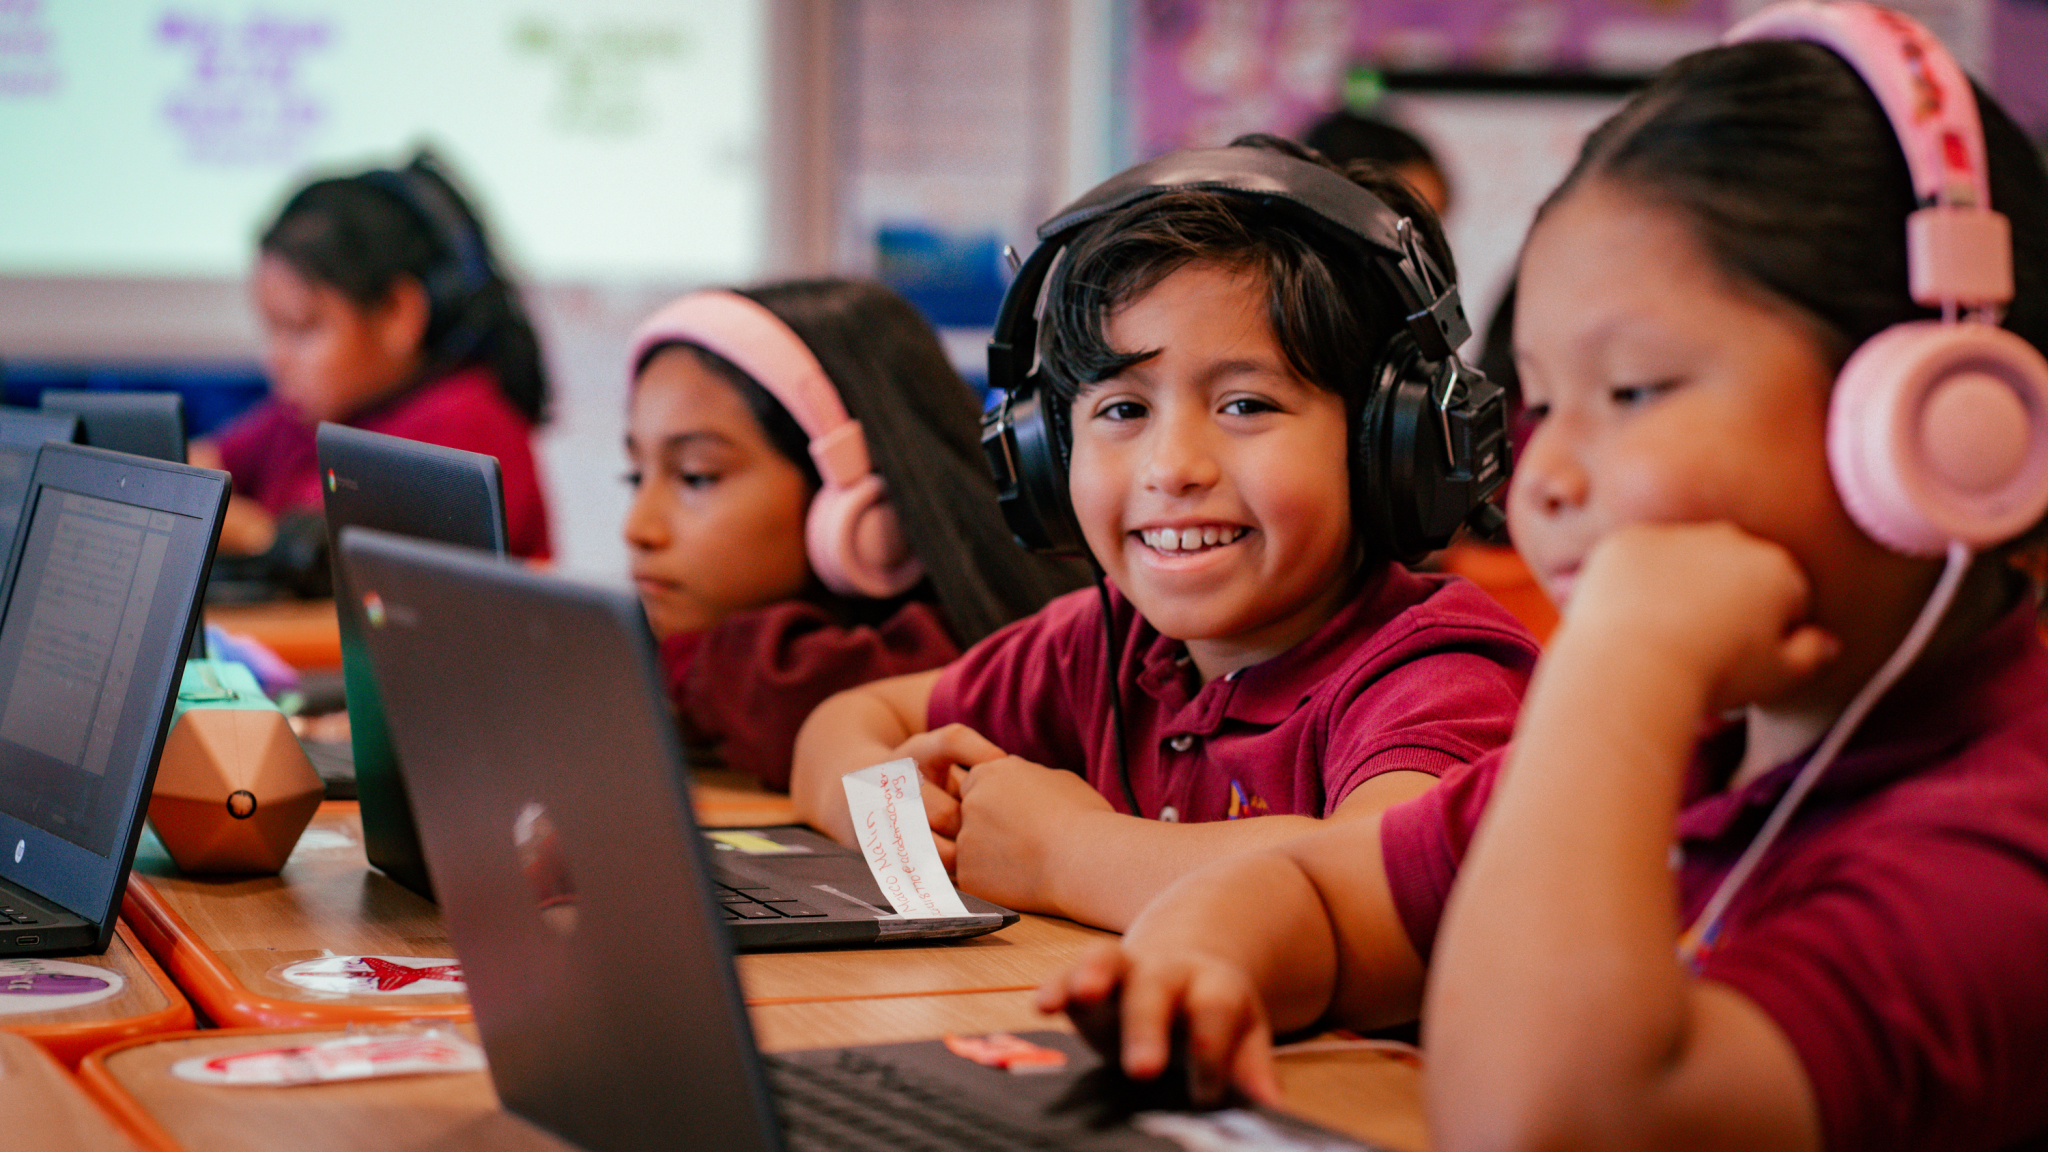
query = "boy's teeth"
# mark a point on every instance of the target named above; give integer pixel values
(1189, 539)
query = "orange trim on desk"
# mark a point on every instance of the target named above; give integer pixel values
(127, 1111)
(225, 1000)
(70, 1043)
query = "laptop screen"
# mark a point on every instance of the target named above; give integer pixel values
(91, 575)
(97, 607)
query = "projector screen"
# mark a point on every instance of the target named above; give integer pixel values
(152, 139)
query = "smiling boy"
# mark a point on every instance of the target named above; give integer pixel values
(1213, 358)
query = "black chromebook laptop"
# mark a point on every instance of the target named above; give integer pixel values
(580, 897)
(501, 683)
(22, 432)
(110, 559)
(148, 424)
(371, 480)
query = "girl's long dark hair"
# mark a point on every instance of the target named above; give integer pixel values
(358, 234)
(923, 430)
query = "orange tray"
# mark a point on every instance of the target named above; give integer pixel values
(71, 1040)
(227, 1001)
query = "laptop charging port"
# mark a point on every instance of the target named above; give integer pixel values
(25, 941)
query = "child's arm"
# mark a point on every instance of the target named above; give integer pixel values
(1274, 940)
(878, 721)
(1558, 1016)
(1041, 840)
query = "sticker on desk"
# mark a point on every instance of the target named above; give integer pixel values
(887, 803)
(361, 1057)
(53, 985)
(1237, 1130)
(752, 843)
(375, 975)
(1010, 1053)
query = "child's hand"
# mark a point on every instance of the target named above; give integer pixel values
(1132, 1007)
(1722, 604)
(1010, 813)
(940, 755)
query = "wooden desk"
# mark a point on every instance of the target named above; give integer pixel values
(1367, 1094)
(44, 1107)
(224, 939)
(148, 1004)
(304, 633)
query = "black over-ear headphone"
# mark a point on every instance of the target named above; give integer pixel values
(1432, 438)
(455, 281)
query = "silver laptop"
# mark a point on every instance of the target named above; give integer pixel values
(578, 893)
(483, 660)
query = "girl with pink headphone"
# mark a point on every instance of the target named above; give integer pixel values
(811, 510)
(1766, 865)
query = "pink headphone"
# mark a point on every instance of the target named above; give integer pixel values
(1938, 430)
(855, 542)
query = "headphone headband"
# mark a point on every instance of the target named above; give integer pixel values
(757, 342)
(1305, 190)
(421, 192)
(1958, 248)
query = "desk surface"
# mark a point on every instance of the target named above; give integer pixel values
(226, 939)
(1365, 1093)
(146, 1003)
(45, 1110)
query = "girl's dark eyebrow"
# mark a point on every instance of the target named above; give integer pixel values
(681, 440)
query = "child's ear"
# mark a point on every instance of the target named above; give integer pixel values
(400, 318)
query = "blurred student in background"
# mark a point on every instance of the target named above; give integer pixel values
(383, 307)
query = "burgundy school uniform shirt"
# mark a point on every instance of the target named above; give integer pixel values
(1897, 932)
(270, 450)
(1415, 672)
(745, 686)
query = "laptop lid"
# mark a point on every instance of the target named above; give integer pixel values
(529, 714)
(22, 432)
(370, 480)
(111, 554)
(148, 424)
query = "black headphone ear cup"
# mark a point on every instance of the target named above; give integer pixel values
(1027, 445)
(1388, 454)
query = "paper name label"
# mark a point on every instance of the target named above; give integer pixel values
(887, 803)
(345, 1058)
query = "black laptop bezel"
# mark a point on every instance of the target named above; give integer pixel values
(79, 880)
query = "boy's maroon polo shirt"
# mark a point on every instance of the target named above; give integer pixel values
(1415, 672)
(1897, 932)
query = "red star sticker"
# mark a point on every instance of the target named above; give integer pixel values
(391, 977)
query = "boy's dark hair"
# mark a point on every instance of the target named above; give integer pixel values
(1332, 310)
(358, 237)
(1784, 166)
(923, 429)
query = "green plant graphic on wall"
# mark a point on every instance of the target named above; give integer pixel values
(601, 69)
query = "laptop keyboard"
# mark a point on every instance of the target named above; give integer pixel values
(762, 904)
(861, 1103)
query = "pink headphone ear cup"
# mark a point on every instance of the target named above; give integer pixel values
(1939, 433)
(856, 543)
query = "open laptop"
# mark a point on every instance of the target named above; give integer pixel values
(371, 480)
(110, 557)
(579, 895)
(486, 663)
(22, 432)
(148, 424)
